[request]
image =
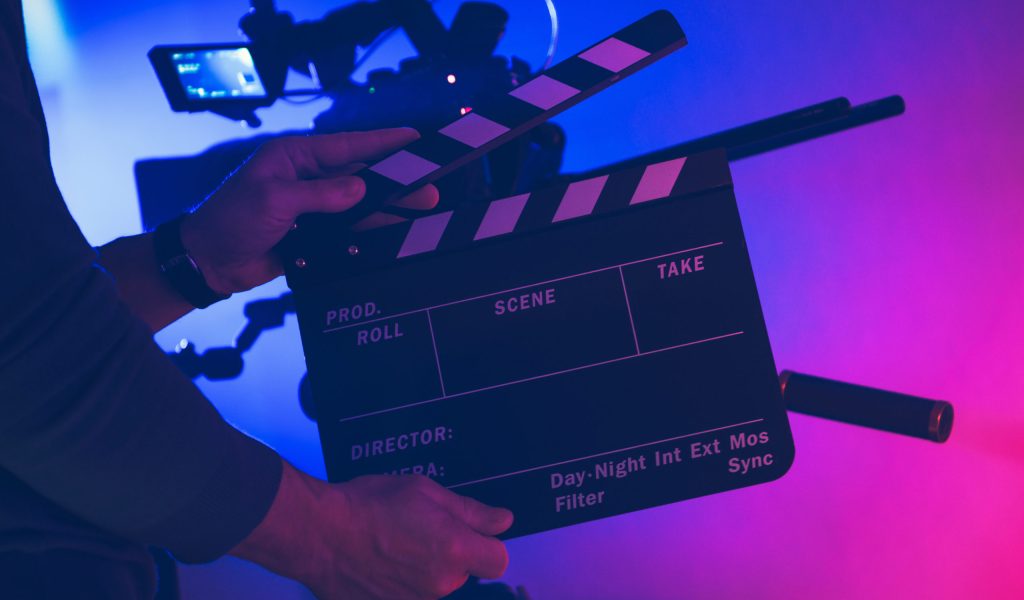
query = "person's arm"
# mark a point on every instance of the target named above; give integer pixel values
(132, 263)
(377, 537)
(95, 418)
(231, 235)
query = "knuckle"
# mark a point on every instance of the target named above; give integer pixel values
(467, 507)
(412, 489)
(442, 549)
(420, 483)
(265, 195)
(290, 141)
(348, 188)
(290, 147)
(273, 145)
(452, 547)
(344, 143)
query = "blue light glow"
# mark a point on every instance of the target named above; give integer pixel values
(48, 44)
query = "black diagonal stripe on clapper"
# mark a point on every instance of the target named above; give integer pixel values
(438, 148)
(618, 190)
(578, 73)
(540, 208)
(462, 226)
(702, 171)
(508, 111)
(651, 33)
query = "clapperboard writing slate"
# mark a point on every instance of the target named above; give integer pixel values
(573, 353)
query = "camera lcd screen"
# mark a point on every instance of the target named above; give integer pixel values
(218, 74)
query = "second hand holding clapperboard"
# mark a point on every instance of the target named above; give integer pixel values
(573, 353)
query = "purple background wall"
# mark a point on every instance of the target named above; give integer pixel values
(889, 256)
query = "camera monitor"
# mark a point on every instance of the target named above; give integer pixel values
(209, 77)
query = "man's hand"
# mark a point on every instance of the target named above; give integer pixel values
(377, 537)
(232, 235)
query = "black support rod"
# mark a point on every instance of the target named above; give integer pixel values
(868, 407)
(857, 116)
(773, 133)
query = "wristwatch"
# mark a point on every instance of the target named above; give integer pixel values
(179, 268)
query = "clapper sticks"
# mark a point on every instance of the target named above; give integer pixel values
(486, 127)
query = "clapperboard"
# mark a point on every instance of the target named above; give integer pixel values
(573, 353)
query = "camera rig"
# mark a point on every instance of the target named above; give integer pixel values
(455, 68)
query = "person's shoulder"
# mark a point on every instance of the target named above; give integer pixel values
(12, 24)
(18, 97)
(13, 49)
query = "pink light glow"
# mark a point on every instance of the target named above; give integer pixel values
(890, 256)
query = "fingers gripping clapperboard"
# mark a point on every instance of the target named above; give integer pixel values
(573, 353)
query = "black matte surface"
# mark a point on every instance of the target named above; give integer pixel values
(504, 412)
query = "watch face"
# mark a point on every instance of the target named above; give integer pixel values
(176, 262)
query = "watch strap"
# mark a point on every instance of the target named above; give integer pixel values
(179, 269)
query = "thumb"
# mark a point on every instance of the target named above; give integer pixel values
(332, 195)
(480, 517)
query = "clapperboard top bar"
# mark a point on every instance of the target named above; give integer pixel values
(487, 222)
(492, 124)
